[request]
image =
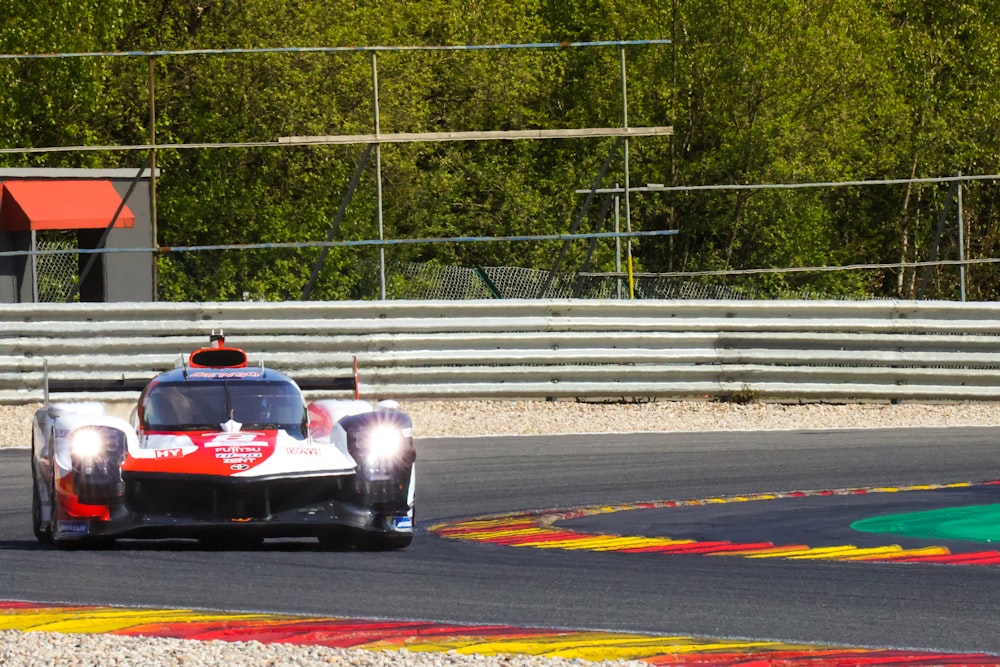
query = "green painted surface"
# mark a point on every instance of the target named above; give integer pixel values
(979, 523)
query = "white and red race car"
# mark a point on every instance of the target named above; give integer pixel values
(226, 453)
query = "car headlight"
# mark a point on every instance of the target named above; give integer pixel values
(384, 441)
(87, 443)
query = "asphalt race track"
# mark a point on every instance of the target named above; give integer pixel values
(933, 607)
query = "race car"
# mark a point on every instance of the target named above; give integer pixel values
(225, 453)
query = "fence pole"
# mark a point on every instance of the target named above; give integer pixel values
(628, 210)
(961, 243)
(618, 244)
(378, 178)
(34, 267)
(152, 164)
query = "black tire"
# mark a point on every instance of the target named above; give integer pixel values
(42, 533)
(72, 544)
(95, 543)
(388, 541)
(336, 539)
(61, 544)
(385, 541)
(344, 539)
(224, 542)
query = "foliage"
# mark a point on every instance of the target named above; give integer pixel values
(758, 92)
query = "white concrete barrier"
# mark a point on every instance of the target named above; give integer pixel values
(811, 350)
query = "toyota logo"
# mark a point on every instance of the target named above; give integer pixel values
(239, 466)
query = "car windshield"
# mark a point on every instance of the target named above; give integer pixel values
(187, 406)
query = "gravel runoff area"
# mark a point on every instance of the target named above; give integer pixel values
(468, 418)
(484, 418)
(436, 418)
(57, 650)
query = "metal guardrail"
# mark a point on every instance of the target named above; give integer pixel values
(809, 350)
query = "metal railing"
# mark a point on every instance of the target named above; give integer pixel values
(604, 349)
(376, 139)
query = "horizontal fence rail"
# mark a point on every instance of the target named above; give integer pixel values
(574, 349)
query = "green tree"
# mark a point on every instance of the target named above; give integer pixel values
(770, 92)
(758, 91)
(59, 101)
(945, 60)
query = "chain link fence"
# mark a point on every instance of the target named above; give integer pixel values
(428, 281)
(57, 274)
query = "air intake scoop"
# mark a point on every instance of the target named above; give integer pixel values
(218, 357)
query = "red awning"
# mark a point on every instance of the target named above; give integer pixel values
(51, 204)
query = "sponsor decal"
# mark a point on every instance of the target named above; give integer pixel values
(74, 527)
(205, 452)
(303, 451)
(242, 438)
(169, 453)
(225, 374)
(239, 449)
(239, 460)
(243, 455)
(401, 523)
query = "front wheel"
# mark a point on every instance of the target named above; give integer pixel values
(336, 539)
(342, 539)
(96, 543)
(386, 541)
(42, 531)
(392, 540)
